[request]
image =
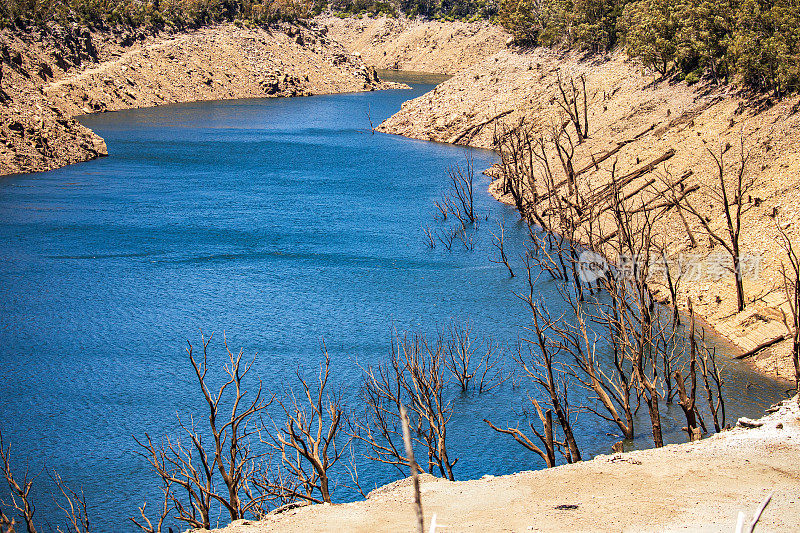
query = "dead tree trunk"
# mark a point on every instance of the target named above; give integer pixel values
(733, 210)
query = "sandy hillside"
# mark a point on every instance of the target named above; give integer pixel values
(120, 71)
(423, 46)
(626, 105)
(700, 486)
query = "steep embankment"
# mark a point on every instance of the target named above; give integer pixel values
(34, 133)
(652, 118)
(698, 486)
(119, 71)
(416, 45)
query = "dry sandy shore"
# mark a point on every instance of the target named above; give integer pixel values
(698, 486)
(416, 45)
(625, 103)
(48, 79)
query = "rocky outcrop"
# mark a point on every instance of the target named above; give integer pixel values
(35, 134)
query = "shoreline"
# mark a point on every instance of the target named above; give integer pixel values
(219, 62)
(650, 119)
(700, 486)
(734, 351)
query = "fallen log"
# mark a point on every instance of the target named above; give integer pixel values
(605, 192)
(605, 155)
(761, 346)
(475, 128)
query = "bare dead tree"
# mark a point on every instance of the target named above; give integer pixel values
(312, 441)
(193, 468)
(415, 376)
(612, 387)
(544, 251)
(730, 200)
(189, 467)
(430, 239)
(472, 362)
(461, 180)
(446, 237)
(499, 243)
(713, 383)
(232, 450)
(701, 364)
(72, 503)
(565, 149)
(516, 166)
(369, 118)
(544, 369)
(791, 287)
(550, 380)
(20, 488)
(574, 101)
(461, 354)
(459, 200)
(688, 400)
(465, 237)
(424, 384)
(491, 373)
(380, 426)
(672, 350)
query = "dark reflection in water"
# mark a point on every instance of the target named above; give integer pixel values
(275, 222)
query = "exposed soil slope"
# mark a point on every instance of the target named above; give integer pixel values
(624, 103)
(697, 487)
(424, 46)
(34, 133)
(121, 71)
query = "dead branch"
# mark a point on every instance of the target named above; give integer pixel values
(312, 441)
(144, 522)
(74, 507)
(548, 454)
(569, 101)
(193, 467)
(21, 501)
(732, 208)
(475, 128)
(791, 287)
(499, 243)
(412, 467)
(72, 503)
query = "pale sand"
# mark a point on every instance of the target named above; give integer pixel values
(685, 487)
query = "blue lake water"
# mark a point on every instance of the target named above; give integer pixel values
(278, 222)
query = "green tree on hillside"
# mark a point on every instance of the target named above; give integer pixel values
(649, 27)
(765, 49)
(596, 23)
(704, 34)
